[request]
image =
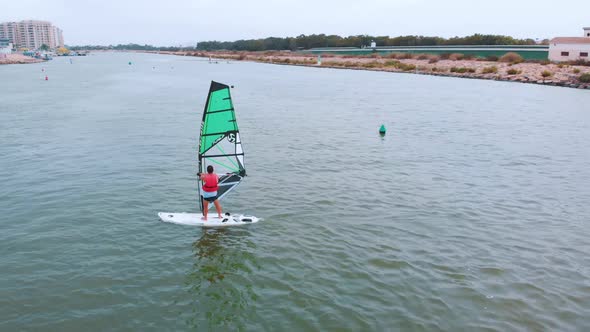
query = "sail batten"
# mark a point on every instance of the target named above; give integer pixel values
(219, 130)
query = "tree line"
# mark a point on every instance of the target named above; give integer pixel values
(135, 47)
(321, 40)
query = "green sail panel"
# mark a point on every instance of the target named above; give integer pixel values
(219, 142)
(219, 118)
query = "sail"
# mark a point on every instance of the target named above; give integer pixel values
(219, 142)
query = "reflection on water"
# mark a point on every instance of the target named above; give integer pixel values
(221, 279)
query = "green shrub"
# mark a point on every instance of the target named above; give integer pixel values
(422, 57)
(399, 65)
(406, 67)
(433, 59)
(434, 69)
(400, 56)
(371, 64)
(462, 70)
(584, 78)
(513, 71)
(545, 62)
(576, 71)
(491, 58)
(580, 62)
(332, 63)
(490, 70)
(546, 73)
(456, 56)
(445, 56)
(511, 57)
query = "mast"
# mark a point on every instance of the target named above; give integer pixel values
(219, 140)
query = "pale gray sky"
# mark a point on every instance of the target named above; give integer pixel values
(173, 22)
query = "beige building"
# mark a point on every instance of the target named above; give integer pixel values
(32, 34)
(59, 37)
(570, 48)
(8, 31)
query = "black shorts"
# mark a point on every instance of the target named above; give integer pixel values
(210, 199)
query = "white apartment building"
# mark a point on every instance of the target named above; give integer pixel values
(59, 37)
(32, 34)
(570, 48)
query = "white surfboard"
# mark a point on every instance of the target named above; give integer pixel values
(194, 219)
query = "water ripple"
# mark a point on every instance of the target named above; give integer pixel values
(467, 215)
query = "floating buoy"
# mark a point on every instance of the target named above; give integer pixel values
(130, 63)
(382, 130)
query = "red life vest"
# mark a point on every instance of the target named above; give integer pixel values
(210, 183)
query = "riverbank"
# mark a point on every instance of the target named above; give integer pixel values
(11, 59)
(455, 66)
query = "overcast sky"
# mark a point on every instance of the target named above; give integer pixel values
(174, 22)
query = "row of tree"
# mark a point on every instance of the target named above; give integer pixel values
(322, 40)
(137, 47)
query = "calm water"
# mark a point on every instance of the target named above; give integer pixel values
(472, 213)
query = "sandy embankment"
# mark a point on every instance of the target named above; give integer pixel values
(525, 72)
(17, 59)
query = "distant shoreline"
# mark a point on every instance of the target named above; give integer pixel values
(525, 72)
(13, 59)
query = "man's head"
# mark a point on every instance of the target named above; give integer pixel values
(209, 169)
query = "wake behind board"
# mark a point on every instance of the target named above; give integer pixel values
(194, 219)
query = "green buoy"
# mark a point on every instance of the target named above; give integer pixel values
(382, 130)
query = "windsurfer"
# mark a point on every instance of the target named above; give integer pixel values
(210, 186)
